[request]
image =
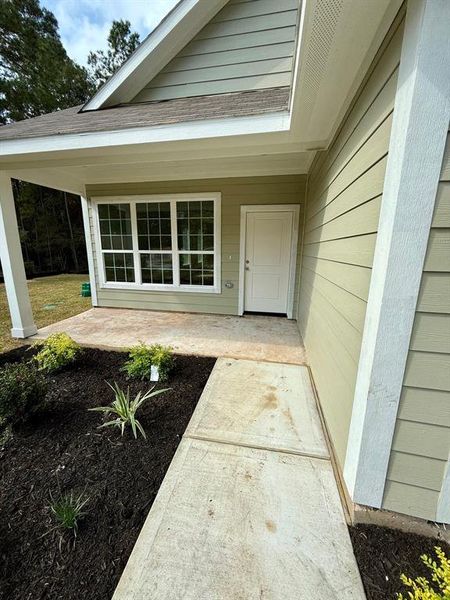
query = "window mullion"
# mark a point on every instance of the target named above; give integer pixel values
(134, 234)
(175, 255)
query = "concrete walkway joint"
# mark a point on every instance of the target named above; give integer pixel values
(232, 521)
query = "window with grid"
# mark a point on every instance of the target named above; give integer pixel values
(154, 228)
(195, 227)
(159, 243)
(116, 242)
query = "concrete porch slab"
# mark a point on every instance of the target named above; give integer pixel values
(238, 523)
(262, 405)
(252, 337)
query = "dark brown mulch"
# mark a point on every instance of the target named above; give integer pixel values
(62, 448)
(383, 554)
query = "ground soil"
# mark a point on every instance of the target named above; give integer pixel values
(61, 448)
(383, 554)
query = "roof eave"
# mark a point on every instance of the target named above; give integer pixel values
(194, 130)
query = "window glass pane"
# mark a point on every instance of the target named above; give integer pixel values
(156, 268)
(197, 269)
(208, 208)
(103, 211)
(195, 222)
(208, 242)
(119, 266)
(182, 210)
(155, 242)
(154, 226)
(115, 226)
(166, 226)
(104, 227)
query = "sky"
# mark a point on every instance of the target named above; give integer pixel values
(84, 24)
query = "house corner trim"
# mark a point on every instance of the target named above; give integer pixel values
(416, 149)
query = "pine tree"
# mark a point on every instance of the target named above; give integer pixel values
(121, 44)
(36, 75)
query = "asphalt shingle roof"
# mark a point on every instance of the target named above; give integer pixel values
(72, 121)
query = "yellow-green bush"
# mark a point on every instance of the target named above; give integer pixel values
(56, 352)
(421, 588)
(142, 357)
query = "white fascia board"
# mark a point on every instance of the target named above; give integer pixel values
(213, 128)
(185, 20)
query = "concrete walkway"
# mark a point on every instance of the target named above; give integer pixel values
(252, 337)
(247, 510)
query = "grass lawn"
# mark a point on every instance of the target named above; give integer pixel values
(52, 298)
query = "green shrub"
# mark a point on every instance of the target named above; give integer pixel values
(142, 357)
(57, 351)
(22, 390)
(69, 510)
(126, 409)
(421, 589)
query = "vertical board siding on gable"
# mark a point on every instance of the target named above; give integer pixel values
(422, 435)
(288, 189)
(247, 46)
(343, 203)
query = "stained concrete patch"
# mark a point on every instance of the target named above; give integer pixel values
(262, 405)
(251, 337)
(237, 523)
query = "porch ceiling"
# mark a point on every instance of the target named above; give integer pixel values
(135, 168)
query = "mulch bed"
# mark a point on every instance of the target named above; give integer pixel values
(61, 448)
(383, 554)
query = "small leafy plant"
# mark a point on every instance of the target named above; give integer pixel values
(421, 588)
(22, 391)
(125, 409)
(142, 358)
(57, 351)
(68, 510)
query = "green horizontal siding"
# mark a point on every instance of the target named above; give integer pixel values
(343, 204)
(246, 46)
(422, 433)
(235, 192)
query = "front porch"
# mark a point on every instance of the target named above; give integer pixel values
(272, 339)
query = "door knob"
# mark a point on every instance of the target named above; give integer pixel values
(247, 261)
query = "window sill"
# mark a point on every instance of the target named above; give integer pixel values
(191, 289)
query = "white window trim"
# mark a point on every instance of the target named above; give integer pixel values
(248, 208)
(216, 197)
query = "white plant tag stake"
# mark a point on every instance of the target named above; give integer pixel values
(154, 373)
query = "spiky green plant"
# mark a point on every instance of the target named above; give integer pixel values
(69, 510)
(125, 408)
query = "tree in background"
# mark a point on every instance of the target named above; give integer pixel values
(121, 44)
(37, 77)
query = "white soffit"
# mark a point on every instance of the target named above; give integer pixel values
(339, 39)
(184, 21)
(73, 178)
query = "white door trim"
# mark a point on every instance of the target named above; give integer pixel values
(248, 208)
(416, 148)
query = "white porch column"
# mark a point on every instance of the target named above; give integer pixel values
(419, 131)
(12, 264)
(89, 248)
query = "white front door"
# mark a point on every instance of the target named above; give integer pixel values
(267, 258)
